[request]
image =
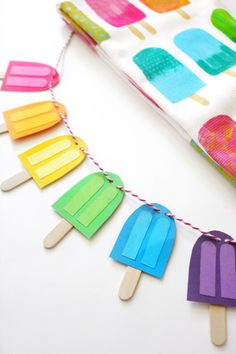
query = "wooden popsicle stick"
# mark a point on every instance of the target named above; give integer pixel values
(218, 324)
(57, 234)
(199, 99)
(15, 181)
(148, 27)
(2, 75)
(183, 14)
(230, 73)
(136, 32)
(129, 283)
(3, 128)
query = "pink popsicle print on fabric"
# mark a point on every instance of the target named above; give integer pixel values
(218, 138)
(212, 271)
(120, 13)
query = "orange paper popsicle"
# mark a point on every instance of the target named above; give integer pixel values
(31, 119)
(162, 6)
(48, 161)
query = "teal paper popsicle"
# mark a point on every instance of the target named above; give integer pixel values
(174, 80)
(208, 52)
(145, 242)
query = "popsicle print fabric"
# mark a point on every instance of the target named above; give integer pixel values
(180, 55)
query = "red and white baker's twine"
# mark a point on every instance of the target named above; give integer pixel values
(122, 188)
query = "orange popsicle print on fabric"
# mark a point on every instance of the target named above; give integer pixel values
(120, 13)
(31, 119)
(162, 6)
(218, 138)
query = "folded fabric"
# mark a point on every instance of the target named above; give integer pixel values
(180, 55)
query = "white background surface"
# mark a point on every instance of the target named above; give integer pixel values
(64, 301)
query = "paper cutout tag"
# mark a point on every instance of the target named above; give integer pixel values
(146, 241)
(168, 75)
(210, 54)
(29, 77)
(212, 271)
(89, 204)
(53, 159)
(218, 137)
(226, 23)
(33, 118)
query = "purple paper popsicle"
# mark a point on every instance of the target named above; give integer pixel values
(212, 271)
(120, 13)
(212, 280)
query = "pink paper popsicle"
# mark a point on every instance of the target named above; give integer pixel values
(120, 13)
(28, 77)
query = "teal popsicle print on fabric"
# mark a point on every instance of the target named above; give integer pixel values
(174, 80)
(146, 241)
(210, 54)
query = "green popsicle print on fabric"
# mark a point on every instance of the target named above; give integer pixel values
(89, 204)
(226, 23)
(210, 54)
(82, 22)
(174, 80)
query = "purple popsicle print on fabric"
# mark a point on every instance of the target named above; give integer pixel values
(212, 271)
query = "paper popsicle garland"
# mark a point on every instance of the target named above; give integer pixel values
(48, 161)
(144, 244)
(24, 76)
(226, 23)
(174, 80)
(86, 206)
(162, 6)
(31, 119)
(212, 280)
(210, 54)
(120, 13)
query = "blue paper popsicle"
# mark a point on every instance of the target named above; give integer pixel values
(146, 241)
(174, 80)
(210, 54)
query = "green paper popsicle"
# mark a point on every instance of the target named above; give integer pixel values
(226, 23)
(86, 206)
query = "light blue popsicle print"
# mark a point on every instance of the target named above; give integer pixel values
(146, 241)
(174, 80)
(210, 54)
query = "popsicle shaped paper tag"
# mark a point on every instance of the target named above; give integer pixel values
(120, 13)
(208, 52)
(86, 207)
(144, 245)
(212, 280)
(169, 76)
(226, 23)
(163, 6)
(48, 161)
(28, 77)
(31, 119)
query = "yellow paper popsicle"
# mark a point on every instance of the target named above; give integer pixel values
(33, 118)
(53, 159)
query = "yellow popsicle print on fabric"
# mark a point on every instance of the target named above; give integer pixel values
(53, 159)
